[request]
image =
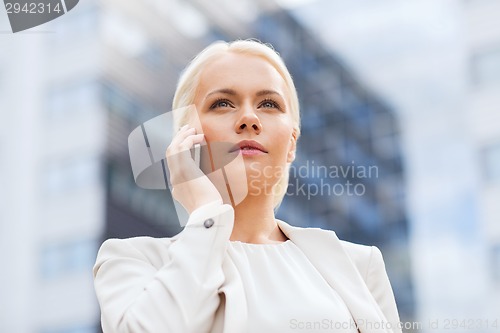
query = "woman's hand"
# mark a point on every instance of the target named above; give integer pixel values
(190, 186)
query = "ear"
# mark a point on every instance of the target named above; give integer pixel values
(293, 147)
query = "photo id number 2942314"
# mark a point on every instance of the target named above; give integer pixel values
(32, 8)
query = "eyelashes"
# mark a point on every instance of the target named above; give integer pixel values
(271, 103)
(267, 103)
(219, 104)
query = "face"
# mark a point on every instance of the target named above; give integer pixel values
(243, 97)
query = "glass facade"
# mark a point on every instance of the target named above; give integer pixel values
(131, 211)
(495, 263)
(352, 133)
(68, 257)
(66, 174)
(72, 329)
(485, 66)
(491, 163)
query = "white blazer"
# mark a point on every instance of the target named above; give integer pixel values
(187, 284)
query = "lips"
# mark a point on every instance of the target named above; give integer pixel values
(248, 145)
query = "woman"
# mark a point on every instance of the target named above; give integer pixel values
(236, 268)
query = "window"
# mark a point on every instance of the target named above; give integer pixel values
(63, 175)
(125, 104)
(491, 163)
(386, 147)
(75, 98)
(383, 124)
(3, 75)
(485, 66)
(153, 205)
(154, 57)
(76, 26)
(495, 262)
(187, 19)
(60, 259)
(124, 34)
(72, 329)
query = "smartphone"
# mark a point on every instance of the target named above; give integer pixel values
(217, 157)
(195, 154)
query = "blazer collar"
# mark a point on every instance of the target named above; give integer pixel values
(325, 251)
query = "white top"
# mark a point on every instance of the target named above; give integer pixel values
(285, 292)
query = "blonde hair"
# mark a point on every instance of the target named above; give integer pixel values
(190, 78)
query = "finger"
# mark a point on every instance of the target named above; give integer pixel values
(191, 140)
(183, 133)
(185, 145)
(187, 142)
(179, 138)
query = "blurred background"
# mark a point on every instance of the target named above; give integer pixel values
(409, 87)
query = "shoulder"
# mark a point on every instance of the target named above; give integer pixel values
(366, 258)
(363, 256)
(149, 249)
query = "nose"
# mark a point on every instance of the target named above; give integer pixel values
(248, 121)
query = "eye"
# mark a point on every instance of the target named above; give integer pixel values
(270, 104)
(221, 103)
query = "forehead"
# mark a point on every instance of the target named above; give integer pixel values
(240, 72)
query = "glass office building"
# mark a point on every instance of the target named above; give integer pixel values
(349, 161)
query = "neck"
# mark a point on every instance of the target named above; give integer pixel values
(254, 221)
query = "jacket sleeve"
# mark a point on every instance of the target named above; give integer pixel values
(182, 295)
(380, 287)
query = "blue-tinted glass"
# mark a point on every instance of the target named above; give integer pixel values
(65, 100)
(72, 329)
(492, 163)
(154, 57)
(60, 259)
(52, 261)
(486, 67)
(495, 265)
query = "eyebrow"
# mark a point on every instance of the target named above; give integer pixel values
(267, 92)
(233, 92)
(221, 91)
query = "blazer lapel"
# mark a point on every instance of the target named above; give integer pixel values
(326, 253)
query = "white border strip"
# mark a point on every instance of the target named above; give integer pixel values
(64, 6)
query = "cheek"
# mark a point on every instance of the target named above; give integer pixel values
(283, 133)
(193, 120)
(215, 131)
